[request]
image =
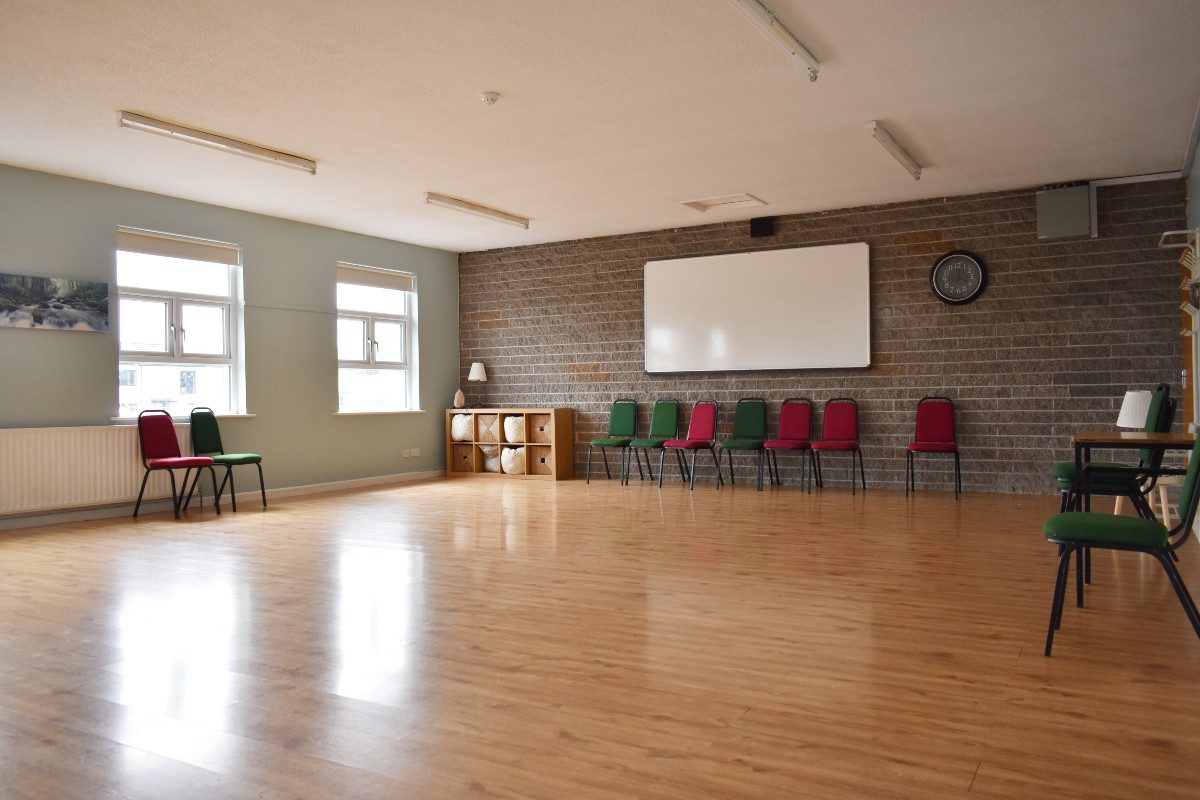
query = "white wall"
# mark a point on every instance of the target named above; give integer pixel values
(63, 227)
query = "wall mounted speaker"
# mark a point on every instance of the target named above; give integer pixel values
(1065, 213)
(762, 226)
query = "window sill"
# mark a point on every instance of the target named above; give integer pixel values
(376, 413)
(133, 420)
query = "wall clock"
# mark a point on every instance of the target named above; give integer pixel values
(958, 277)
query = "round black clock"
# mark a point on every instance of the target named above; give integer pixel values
(958, 277)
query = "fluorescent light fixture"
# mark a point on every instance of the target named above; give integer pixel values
(466, 206)
(742, 200)
(762, 18)
(892, 146)
(138, 122)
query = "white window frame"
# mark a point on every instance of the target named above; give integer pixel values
(175, 355)
(407, 320)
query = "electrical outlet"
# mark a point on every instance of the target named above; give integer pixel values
(416, 451)
(404, 454)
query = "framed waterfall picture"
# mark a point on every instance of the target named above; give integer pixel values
(64, 304)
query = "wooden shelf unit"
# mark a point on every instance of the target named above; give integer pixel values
(547, 434)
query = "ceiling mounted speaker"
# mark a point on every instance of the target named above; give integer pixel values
(762, 226)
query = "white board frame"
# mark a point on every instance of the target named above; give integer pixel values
(786, 309)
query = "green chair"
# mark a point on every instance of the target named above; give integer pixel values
(749, 433)
(206, 440)
(622, 428)
(1077, 531)
(1111, 478)
(664, 425)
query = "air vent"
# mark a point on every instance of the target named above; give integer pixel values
(725, 201)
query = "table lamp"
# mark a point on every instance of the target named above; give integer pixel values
(479, 375)
(1134, 409)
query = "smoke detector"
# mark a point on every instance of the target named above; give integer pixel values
(489, 98)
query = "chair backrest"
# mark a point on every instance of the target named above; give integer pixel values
(841, 420)
(206, 433)
(156, 434)
(795, 419)
(750, 418)
(703, 424)
(664, 421)
(935, 421)
(1159, 418)
(622, 419)
(1188, 499)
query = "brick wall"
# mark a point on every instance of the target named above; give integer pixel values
(1062, 330)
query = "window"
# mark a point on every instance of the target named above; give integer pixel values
(375, 333)
(179, 315)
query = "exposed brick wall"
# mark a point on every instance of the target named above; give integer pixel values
(1062, 330)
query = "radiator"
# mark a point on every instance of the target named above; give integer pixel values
(51, 469)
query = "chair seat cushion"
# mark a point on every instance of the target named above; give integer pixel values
(835, 444)
(651, 442)
(238, 458)
(1088, 526)
(933, 447)
(787, 444)
(742, 444)
(1104, 477)
(1066, 469)
(180, 462)
(611, 441)
(688, 444)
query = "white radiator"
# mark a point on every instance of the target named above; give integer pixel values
(50, 469)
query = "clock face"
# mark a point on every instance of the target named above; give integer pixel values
(958, 277)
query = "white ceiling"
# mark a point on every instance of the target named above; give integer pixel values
(613, 111)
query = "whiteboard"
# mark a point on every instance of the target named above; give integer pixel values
(800, 308)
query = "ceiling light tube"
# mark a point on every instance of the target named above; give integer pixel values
(466, 206)
(892, 146)
(215, 141)
(762, 18)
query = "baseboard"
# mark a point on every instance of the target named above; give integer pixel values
(249, 497)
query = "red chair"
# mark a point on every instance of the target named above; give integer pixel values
(795, 434)
(701, 435)
(839, 434)
(160, 450)
(935, 434)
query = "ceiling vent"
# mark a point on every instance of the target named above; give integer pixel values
(742, 200)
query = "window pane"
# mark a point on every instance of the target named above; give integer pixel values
(352, 297)
(372, 389)
(352, 339)
(172, 274)
(178, 388)
(204, 330)
(144, 325)
(389, 342)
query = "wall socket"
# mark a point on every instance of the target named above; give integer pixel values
(410, 453)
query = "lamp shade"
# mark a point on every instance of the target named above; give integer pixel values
(1134, 409)
(478, 373)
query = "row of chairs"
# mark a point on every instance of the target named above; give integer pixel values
(160, 451)
(935, 434)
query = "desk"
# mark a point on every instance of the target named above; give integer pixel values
(1084, 441)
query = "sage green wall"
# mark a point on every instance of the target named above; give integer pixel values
(63, 227)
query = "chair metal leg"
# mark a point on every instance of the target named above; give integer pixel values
(649, 470)
(217, 492)
(262, 485)
(138, 505)
(191, 491)
(862, 470)
(761, 453)
(692, 482)
(662, 459)
(957, 476)
(1185, 598)
(717, 463)
(588, 472)
(641, 477)
(1079, 577)
(729, 457)
(1087, 565)
(176, 497)
(853, 476)
(624, 471)
(1060, 589)
(908, 470)
(604, 455)
(681, 459)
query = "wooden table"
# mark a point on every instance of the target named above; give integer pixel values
(1084, 441)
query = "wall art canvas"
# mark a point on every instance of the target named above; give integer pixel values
(28, 301)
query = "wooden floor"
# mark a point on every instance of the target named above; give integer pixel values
(487, 638)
